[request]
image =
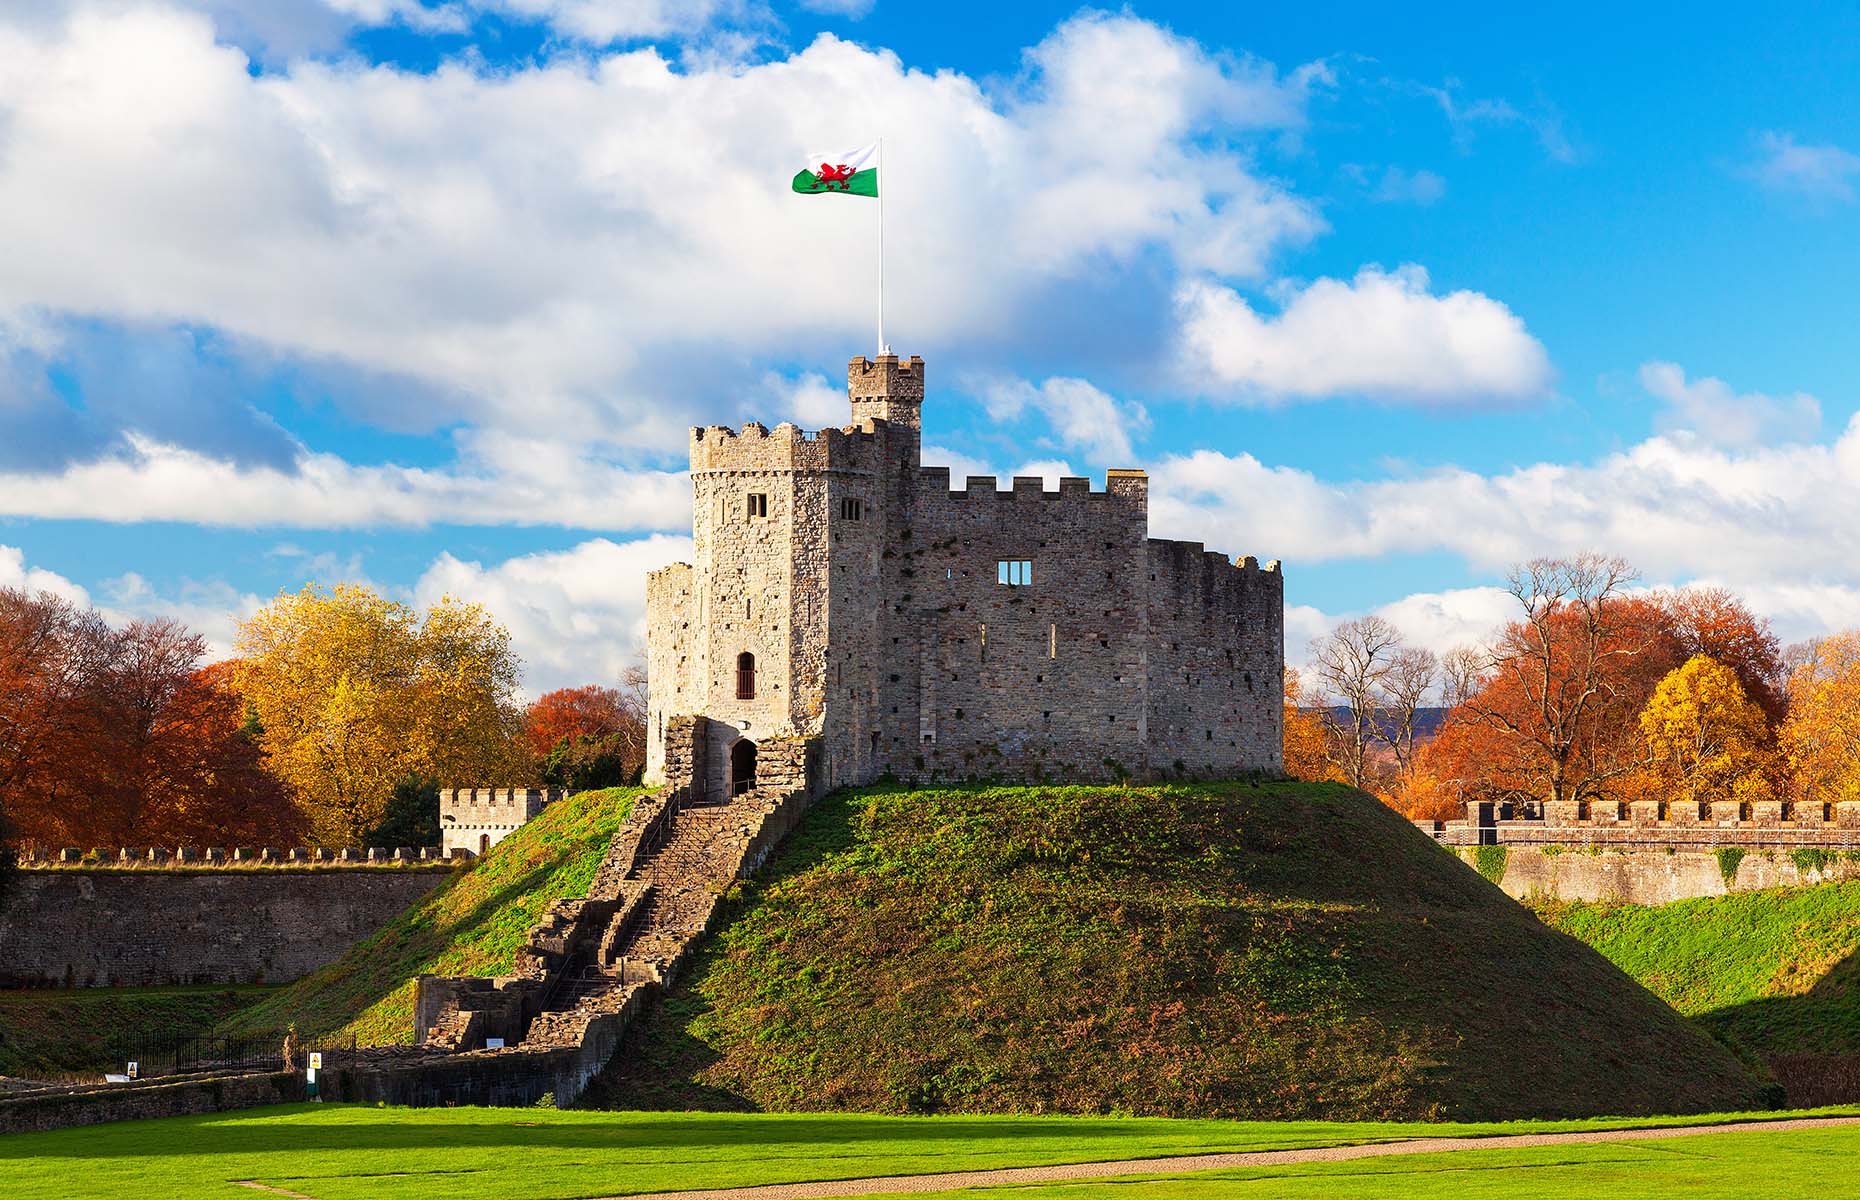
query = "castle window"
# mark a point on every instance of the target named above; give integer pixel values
(758, 504)
(745, 676)
(851, 510)
(1052, 641)
(1014, 572)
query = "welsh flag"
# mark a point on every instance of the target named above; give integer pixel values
(848, 173)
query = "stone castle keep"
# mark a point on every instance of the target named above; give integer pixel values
(848, 616)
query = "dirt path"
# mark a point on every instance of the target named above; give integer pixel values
(1213, 1162)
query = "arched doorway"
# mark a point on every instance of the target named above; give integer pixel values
(484, 844)
(742, 767)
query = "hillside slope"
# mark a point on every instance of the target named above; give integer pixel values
(1773, 974)
(1245, 950)
(471, 925)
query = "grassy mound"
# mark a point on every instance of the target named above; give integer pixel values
(58, 1031)
(1773, 974)
(471, 925)
(1236, 950)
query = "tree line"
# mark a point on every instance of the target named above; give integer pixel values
(1595, 691)
(336, 722)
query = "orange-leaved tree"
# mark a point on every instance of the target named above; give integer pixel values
(1821, 738)
(1304, 736)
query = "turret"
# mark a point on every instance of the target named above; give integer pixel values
(887, 390)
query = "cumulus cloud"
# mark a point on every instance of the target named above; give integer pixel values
(14, 573)
(1382, 335)
(1709, 408)
(576, 616)
(1814, 172)
(567, 244)
(1676, 506)
(507, 481)
(1080, 416)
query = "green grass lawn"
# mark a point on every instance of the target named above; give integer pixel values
(473, 924)
(52, 1032)
(1754, 1165)
(338, 1152)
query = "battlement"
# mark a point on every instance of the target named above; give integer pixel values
(230, 857)
(787, 447)
(887, 376)
(1656, 823)
(935, 480)
(1184, 554)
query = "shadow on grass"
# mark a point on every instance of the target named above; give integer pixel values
(502, 1130)
(1810, 1042)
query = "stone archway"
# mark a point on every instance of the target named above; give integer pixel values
(742, 766)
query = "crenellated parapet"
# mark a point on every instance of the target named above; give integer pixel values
(475, 819)
(1653, 823)
(194, 858)
(718, 449)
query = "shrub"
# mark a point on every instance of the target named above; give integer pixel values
(1728, 858)
(1491, 861)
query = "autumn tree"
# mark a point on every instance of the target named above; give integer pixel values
(1821, 738)
(1351, 663)
(590, 736)
(1715, 623)
(1566, 680)
(121, 736)
(1707, 739)
(1304, 736)
(355, 693)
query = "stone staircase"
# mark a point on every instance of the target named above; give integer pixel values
(591, 964)
(673, 889)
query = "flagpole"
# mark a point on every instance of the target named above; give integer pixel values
(884, 174)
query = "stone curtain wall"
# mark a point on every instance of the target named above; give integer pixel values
(1656, 875)
(1654, 824)
(77, 927)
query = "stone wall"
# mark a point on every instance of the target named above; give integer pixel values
(62, 1108)
(1655, 875)
(475, 819)
(1654, 824)
(81, 927)
(867, 592)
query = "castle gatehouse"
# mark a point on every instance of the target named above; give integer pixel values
(843, 597)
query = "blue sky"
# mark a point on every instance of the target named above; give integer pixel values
(425, 294)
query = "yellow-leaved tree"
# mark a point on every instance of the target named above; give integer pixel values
(1706, 738)
(1821, 738)
(355, 692)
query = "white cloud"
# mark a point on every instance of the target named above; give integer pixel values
(1709, 408)
(1823, 172)
(575, 616)
(962, 467)
(1437, 621)
(1675, 506)
(854, 9)
(1399, 186)
(1466, 118)
(506, 480)
(14, 573)
(809, 399)
(1382, 334)
(567, 244)
(1081, 416)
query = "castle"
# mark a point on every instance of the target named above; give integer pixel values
(848, 616)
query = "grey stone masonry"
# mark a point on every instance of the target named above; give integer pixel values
(475, 819)
(841, 591)
(1650, 823)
